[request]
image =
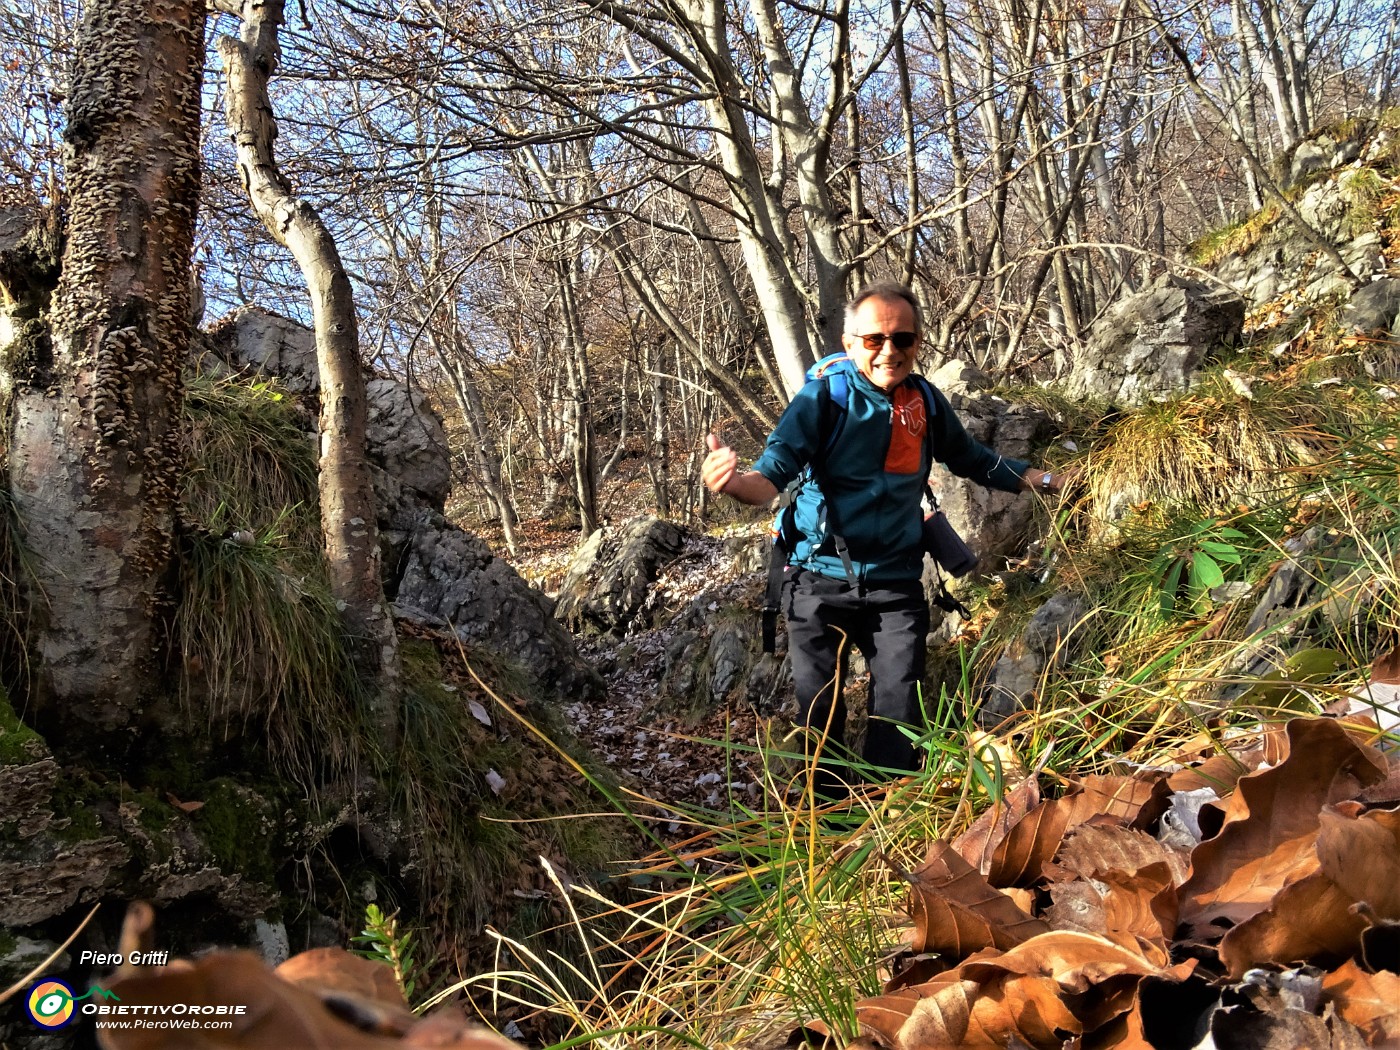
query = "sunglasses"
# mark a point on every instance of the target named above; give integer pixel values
(899, 340)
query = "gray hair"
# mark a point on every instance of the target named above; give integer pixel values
(883, 290)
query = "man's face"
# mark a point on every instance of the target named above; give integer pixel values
(885, 366)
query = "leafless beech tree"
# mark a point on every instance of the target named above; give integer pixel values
(348, 513)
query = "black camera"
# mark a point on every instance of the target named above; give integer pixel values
(942, 541)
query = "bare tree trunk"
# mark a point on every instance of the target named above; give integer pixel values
(348, 511)
(95, 451)
(583, 456)
(483, 450)
(911, 146)
(658, 457)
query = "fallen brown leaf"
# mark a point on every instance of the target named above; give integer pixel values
(1134, 801)
(1126, 908)
(1371, 1001)
(1029, 1008)
(279, 1014)
(1012, 1011)
(1387, 792)
(355, 989)
(957, 913)
(1028, 847)
(1220, 772)
(1304, 920)
(1032, 993)
(1075, 961)
(1270, 828)
(1095, 851)
(943, 1005)
(979, 842)
(1360, 852)
(1359, 861)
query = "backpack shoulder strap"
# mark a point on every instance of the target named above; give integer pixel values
(833, 372)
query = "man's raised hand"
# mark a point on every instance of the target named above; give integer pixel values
(719, 466)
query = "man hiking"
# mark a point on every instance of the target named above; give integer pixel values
(853, 576)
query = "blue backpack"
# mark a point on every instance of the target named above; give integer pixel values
(833, 373)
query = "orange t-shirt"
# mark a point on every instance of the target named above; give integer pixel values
(906, 452)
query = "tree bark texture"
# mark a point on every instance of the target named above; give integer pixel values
(348, 512)
(95, 450)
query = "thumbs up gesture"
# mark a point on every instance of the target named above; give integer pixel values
(719, 466)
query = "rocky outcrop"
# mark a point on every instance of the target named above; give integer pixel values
(1374, 310)
(1150, 345)
(610, 577)
(1282, 260)
(261, 342)
(1046, 643)
(994, 524)
(435, 573)
(450, 578)
(407, 442)
(410, 464)
(1322, 152)
(69, 840)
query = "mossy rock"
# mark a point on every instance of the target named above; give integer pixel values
(241, 828)
(19, 745)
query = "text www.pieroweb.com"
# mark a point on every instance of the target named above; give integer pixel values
(169, 1017)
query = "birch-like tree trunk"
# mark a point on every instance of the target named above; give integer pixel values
(95, 451)
(348, 511)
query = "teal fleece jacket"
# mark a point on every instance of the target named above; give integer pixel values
(874, 477)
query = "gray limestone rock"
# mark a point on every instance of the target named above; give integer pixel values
(767, 686)
(729, 658)
(609, 578)
(448, 576)
(21, 960)
(681, 660)
(1283, 260)
(266, 343)
(1322, 152)
(51, 877)
(271, 941)
(994, 524)
(1044, 643)
(1151, 344)
(1374, 310)
(406, 440)
(407, 447)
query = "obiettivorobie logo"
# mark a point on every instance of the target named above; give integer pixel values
(51, 1002)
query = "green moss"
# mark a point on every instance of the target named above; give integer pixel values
(19, 745)
(74, 804)
(174, 770)
(237, 825)
(422, 667)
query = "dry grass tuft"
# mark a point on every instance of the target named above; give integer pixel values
(1210, 450)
